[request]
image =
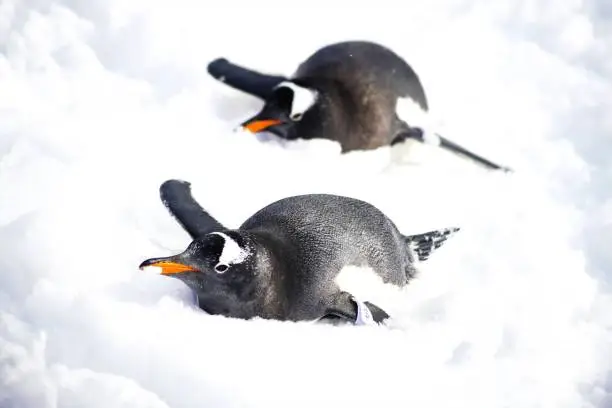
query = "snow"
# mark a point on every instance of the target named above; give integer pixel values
(101, 101)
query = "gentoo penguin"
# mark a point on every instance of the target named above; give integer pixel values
(282, 262)
(347, 91)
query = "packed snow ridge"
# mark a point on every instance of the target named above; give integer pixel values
(104, 100)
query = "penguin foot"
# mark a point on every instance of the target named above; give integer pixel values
(412, 133)
(360, 313)
(369, 314)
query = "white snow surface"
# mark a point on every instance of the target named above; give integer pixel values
(103, 100)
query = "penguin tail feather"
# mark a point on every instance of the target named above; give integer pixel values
(423, 245)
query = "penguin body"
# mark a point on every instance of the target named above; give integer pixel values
(348, 92)
(282, 262)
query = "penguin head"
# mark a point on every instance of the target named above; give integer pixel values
(218, 264)
(289, 105)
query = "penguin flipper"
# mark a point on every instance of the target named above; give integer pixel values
(176, 197)
(423, 245)
(244, 79)
(446, 144)
(346, 306)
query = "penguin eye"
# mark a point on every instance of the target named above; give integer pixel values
(221, 267)
(296, 99)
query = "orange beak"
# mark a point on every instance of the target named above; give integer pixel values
(259, 125)
(167, 267)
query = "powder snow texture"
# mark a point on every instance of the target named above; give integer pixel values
(103, 100)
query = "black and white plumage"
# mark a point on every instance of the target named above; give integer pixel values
(282, 262)
(424, 244)
(349, 92)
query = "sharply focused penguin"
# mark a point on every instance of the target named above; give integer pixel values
(347, 91)
(282, 262)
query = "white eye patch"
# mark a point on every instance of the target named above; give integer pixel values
(303, 98)
(231, 253)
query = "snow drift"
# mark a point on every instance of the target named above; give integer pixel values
(102, 101)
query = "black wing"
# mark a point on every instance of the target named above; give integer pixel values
(176, 196)
(244, 79)
(417, 134)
